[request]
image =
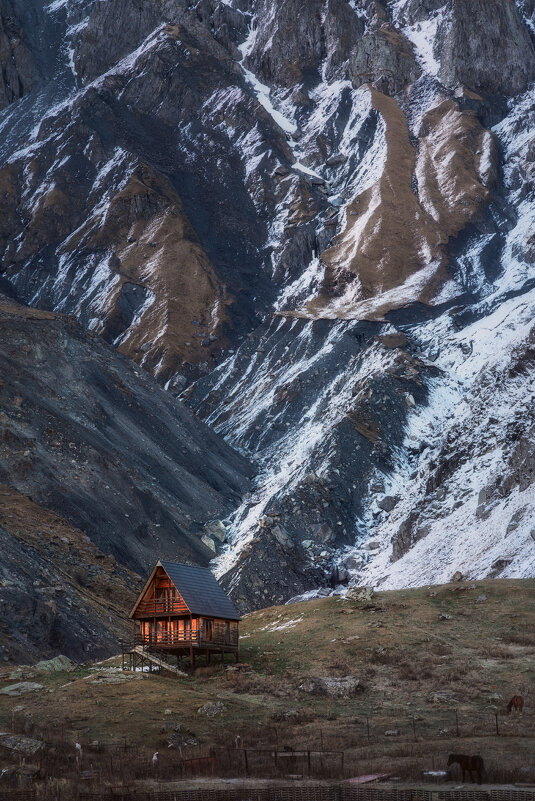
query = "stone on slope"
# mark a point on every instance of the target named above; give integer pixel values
(21, 688)
(56, 664)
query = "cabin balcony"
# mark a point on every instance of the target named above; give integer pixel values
(185, 639)
(165, 606)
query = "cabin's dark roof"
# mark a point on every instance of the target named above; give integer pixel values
(200, 590)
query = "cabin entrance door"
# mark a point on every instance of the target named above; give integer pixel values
(209, 630)
(162, 632)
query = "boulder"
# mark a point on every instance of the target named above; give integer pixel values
(209, 542)
(324, 533)
(212, 709)
(20, 688)
(442, 697)
(363, 594)
(336, 687)
(26, 746)
(216, 529)
(372, 546)
(57, 664)
(388, 502)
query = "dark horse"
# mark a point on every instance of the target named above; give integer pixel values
(516, 703)
(472, 764)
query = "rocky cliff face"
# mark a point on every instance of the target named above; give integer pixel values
(315, 221)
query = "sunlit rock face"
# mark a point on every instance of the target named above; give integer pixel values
(316, 222)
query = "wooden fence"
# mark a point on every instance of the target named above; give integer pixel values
(318, 792)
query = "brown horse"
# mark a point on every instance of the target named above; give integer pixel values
(470, 764)
(515, 704)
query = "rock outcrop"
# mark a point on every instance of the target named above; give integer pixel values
(18, 71)
(496, 55)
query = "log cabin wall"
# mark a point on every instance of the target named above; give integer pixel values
(203, 631)
(219, 632)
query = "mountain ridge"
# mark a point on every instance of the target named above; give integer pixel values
(313, 224)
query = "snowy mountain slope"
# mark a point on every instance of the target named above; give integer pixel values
(407, 501)
(320, 214)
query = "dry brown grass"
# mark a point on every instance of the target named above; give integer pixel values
(416, 674)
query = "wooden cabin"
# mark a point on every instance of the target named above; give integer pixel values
(182, 610)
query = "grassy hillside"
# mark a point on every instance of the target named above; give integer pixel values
(422, 657)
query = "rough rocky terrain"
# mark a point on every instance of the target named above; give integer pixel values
(101, 448)
(59, 593)
(316, 222)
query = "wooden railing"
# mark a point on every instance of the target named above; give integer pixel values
(163, 607)
(168, 639)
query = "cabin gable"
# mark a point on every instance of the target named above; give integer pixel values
(159, 597)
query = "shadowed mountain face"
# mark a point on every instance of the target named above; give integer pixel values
(315, 221)
(59, 592)
(89, 436)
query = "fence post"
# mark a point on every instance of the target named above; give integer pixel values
(457, 722)
(246, 762)
(368, 727)
(497, 726)
(308, 762)
(414, 728)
